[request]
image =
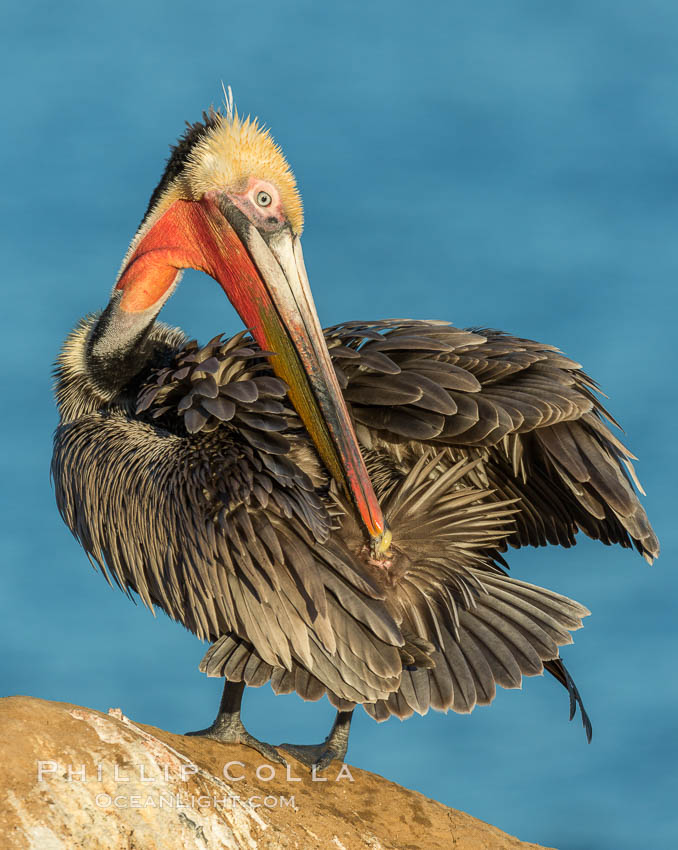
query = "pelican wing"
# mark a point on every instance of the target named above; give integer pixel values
(531, 415)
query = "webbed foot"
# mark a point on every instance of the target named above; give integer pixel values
(319, 756)
(333, 748)
(232, 731)
(228, 728)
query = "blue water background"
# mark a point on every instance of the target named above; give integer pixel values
(502, 164)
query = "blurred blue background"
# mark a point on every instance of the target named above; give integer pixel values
(504, 164)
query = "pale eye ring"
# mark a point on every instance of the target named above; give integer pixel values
(264, 199)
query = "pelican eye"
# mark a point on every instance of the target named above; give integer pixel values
(264, 199)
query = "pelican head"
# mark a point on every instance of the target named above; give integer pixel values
(228, 205)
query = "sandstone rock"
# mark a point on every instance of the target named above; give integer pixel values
(76, 778)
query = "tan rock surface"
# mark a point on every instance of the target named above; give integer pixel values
(60, 791)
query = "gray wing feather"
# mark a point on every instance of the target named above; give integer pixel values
(511, 399)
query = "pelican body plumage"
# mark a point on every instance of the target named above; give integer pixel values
(329, 509)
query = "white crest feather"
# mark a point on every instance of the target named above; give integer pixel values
(228, 101)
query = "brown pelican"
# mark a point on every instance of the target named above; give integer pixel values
(328, 509)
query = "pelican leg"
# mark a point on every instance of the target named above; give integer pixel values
(333, 747)
(228, 727)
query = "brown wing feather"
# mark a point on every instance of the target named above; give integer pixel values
(530, 412)
(475, 626)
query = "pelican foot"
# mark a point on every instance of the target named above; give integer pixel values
(228, 727)
(333, 748)
(230, 730)
(318, 756)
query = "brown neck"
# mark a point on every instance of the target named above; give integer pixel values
(86, 382)
(119, 346)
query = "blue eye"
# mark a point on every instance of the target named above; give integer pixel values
(264, 199)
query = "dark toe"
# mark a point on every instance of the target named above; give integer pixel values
(327, 758)
(266, 750)
(237, 734)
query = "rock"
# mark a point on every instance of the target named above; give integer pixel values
(75, 778)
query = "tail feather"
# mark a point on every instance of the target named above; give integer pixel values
(514, 629)
(560, 672)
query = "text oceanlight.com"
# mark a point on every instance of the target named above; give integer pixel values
(191, 801)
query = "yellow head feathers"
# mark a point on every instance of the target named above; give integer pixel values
(235, 149)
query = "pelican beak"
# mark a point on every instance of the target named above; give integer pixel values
(265, 279)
